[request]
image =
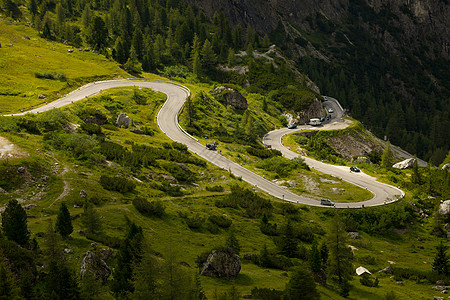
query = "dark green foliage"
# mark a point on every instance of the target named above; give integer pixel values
(91, 128)
(130, 253)
(113, 242)
(8, 289)
(220, 220)
(97, 33)
(266, 294)
(116, 183)
(253, 204)
(266, 227)
(14, 223)
(301, 285)
(233, 242)
(90, 219)
(149, 208)
(289, 244)
(215, 188)
(441, 263)
(63, 221)
(195, 222)
(379, 219)
(314, 259)
(367, 281)
(50, 75)
(61, 282)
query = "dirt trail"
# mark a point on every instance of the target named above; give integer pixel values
(66, 189)
(10, 150)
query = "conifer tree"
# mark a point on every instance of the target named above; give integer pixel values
(301, 286)
(90, 219)
(415, 178)
(233, 242)
(208, 56)
(387, 157)
(14, 223)
(289, 245)
(315, 261)
(63, 221)
(441, 262)
(8, 289)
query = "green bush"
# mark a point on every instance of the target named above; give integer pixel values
(266, 294)
(50, 75)
(281, 165)
(113, 242)
(263, 153)
(149, 208)
(116, 183)
(220, 221)
(91, 128)
(215, 188)
(195, 222)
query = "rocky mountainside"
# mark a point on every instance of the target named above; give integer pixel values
(386, 61)
(416, 22)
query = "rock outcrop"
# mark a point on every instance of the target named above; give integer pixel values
(232, 97)
(405, 164)
(96, 266)
(223, 263)
(444, 208)
(446, 167)
(123, 120)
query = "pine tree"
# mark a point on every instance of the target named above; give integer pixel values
(415, 178)
(145, 276)
(387, 157)
(289, 245)
(340, 256)
(90, 219)
(208, 57)
(441, 262)
(233, 242)
(64, 221)
(14, 223)
(264, 258)
(315, 261)
(8, 288)
(97, 33)
(301, 286)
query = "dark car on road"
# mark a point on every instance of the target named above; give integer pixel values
(327, 202)
(354, 169)
(292, 126)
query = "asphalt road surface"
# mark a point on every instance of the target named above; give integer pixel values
(167, 119)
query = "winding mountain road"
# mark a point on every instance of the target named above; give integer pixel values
(167, 119)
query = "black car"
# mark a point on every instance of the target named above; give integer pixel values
(354, 169)
(327, 202)
(211, 146)
(292, 126)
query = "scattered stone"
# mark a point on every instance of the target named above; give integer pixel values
(438, 298)
(21, 170)
(446, 167)
(29, 206)
(440, 287)
(405, 164)
(123, 120)
(440, 282)
(41, 96)
(93, 245)
(70, 50)
(419, 238)
(136, 131)
(77, 206)
(247, 296)
(96, 266)
(232, 97)
(444, 208)
(68, 251)
(83, 194)
(399, 282)
(106, 253)
(81, 232)
(354, 235)
(387, 270)
(222, 263)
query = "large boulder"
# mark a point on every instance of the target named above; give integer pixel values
(96, 266)
(123, 120)
(223, 263)
(444, 208)
(405, 164)
(232, 97)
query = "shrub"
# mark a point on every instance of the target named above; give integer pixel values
(212, 228)
(215, 188)
(153, 208)
(91, 128)
(116, 183)
(50, 75)
(263, 153)
(266, 294)
(367, 281)
(281, 165)
(220, 221)
(195, 222)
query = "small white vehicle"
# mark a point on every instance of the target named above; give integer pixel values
(314, 122)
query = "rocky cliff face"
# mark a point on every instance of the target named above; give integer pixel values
(414, 24)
